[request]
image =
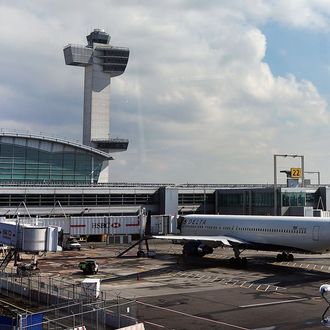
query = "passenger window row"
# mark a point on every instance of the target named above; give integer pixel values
(249, 229)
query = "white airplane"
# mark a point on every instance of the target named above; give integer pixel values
(201, 233)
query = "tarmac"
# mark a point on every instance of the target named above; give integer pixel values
(172, 292)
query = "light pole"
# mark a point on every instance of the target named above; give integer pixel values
(275, 175)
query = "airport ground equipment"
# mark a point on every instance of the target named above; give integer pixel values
(22, 237)
(28, 237)
(162, 225)
(143, 238)
(72, 244)
(89, 267)
(140, 252)
(112, 226)
(26, 269)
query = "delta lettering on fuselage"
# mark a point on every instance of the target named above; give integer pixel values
(197, 222)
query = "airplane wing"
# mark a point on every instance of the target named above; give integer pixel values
(225, 240)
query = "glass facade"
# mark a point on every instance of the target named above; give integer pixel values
(114, 59)
(257, 201)
(78, 199)
(263, 198)
(261, 201)
(23, 163)
(230, 199)
(294, 198)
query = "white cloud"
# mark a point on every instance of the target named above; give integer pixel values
(310, 14)
(197, 100)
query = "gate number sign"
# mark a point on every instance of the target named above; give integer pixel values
(296, 172)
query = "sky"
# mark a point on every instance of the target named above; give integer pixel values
(212, 90)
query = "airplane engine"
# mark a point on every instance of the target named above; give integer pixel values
(196, 249)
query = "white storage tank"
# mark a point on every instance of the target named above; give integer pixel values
(34, 239)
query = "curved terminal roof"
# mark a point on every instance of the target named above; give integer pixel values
(47, 143)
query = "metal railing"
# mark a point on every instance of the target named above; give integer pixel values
(51, 138)
(67, 304)
(139, 185)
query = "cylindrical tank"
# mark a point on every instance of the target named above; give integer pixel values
(34, 239)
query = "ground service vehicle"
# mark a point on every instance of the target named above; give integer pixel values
(89, 267)
(72, 244)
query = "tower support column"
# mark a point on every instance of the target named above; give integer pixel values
(96, 97)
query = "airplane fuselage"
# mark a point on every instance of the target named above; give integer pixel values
(304, 234)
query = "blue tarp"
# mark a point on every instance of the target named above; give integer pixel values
(7, 322)
(32, 321)
(29, 322)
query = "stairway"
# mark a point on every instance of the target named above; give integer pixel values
(6, 260)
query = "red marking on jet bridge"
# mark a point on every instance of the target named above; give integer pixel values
(133, 224)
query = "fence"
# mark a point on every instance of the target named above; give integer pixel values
(67, 304)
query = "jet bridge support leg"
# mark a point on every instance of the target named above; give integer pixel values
(11, 253)
(140, 252)
(142, 222)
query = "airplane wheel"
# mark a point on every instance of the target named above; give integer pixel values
(140, 254)
(290, 257)
(238, 261)
(279, 257)
(232, 261)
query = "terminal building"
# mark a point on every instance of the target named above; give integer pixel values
(31, 158)
(42, 175)
(128, 198)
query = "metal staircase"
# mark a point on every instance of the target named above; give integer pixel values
(6, 260)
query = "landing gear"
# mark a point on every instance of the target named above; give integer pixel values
(196, 249)
(284, 257)
(140, 254)
(238, 261)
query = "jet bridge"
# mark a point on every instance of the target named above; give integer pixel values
(21, 237)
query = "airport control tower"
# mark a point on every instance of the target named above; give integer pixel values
(102, 62)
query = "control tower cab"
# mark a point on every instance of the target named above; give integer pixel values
(102, 61)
